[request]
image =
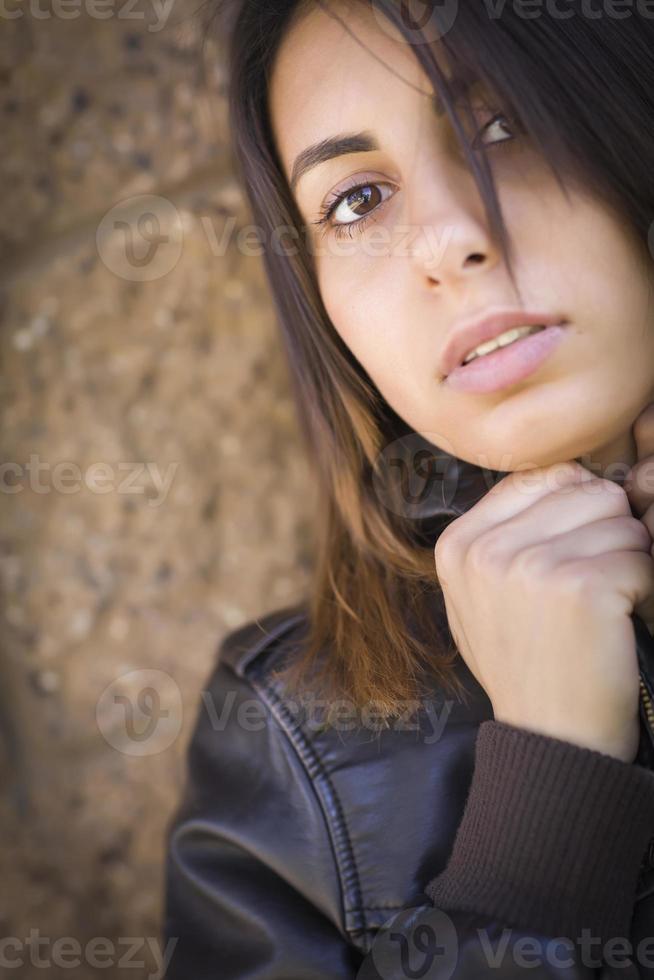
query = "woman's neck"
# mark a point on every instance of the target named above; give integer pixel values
(612, 460)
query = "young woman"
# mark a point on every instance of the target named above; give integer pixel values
(433, 181)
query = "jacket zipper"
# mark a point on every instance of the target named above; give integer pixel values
(645, 653)
(645, 885)
(647, 702)
(645, 650)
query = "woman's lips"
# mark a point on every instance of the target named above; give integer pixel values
(507, 365)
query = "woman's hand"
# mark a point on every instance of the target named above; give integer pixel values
(540, 578)
(640, 490)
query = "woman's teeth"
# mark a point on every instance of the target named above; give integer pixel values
(508, 337)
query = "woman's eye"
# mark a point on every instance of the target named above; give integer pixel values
(495, 125)
(352, 207)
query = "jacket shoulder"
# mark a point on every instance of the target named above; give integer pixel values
(262, 640)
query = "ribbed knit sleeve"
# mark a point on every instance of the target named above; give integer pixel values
(552, 836)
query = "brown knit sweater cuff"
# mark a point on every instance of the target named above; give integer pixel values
(552, 836)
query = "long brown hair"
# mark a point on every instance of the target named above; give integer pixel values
(375, 604)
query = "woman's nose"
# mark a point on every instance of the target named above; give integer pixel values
(450, 238)
(447, 252)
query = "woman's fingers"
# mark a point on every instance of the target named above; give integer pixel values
(599, 537)
(549, 504)
(639, 484)
(513, 494)
(648, 520)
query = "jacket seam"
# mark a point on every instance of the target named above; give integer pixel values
(347, 871)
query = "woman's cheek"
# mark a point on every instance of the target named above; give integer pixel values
(352, 289)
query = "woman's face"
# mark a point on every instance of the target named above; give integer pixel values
(396, 286)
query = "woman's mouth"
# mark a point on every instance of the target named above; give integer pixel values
(507, 365)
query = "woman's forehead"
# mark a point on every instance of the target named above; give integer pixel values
(334, 75)
(362, 43)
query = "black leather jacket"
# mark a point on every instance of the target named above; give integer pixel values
(294, 845)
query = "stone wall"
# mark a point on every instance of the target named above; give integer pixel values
(154, 491)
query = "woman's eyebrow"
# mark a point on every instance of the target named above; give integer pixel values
(327, 149)
(363, 142)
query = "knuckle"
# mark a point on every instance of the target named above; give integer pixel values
(532, 564)
(643, 530)
(553, 477)
(571, 468)
(567, 478)
(577, 580)
(446, 547)
(618, 496)
(488, 552)
(569, 471)
(607, 492)
(643, 427)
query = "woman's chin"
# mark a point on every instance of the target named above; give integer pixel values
(510, 461)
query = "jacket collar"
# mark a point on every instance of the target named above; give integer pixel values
(435, 485)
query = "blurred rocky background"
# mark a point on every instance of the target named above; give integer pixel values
(153, 489)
